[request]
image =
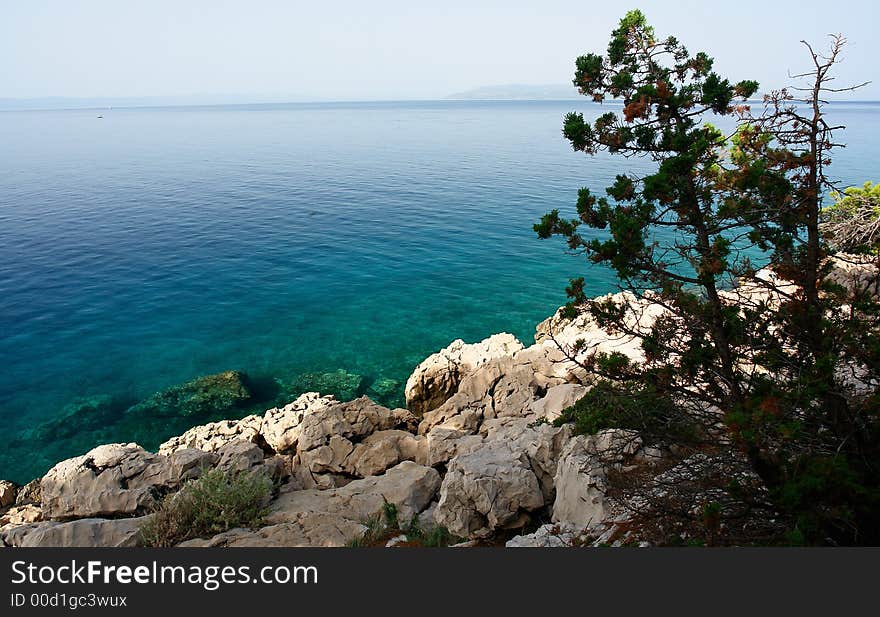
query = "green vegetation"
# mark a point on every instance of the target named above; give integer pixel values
(852, 222)
(782, 373)
(381, 529)
(216, 502)
(629, 406)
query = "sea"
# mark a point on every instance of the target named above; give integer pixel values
(330, 245)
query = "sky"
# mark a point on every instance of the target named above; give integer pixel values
(391, 49)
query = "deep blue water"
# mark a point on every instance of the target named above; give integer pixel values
(151, 246)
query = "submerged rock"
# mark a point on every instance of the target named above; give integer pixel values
(201, 397)
(341, 384)
(386, 391)
(81, 416)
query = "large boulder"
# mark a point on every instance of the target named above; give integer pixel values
(383, 450)
(443, 444)
(558, 399)
(87, 532)
(213, 436)
(502, 387)
(29, 493)
(582, 473)
(238, 456)
(8, 491)
(408, 486)
(465, 410)
(565, 333)
(281, 426)
(115, 480)
(437, 378)
(542, 443)
(489, 489)
(857, 274)
(327, 438)
(21, 515)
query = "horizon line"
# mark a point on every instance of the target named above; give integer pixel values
(448, 99)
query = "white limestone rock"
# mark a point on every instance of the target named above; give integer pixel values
(211, 437)
(437, 378)
(581, 475)
(305, 529)
(86, 532)
(111, 480)
(340, 439)
(489, 489)
(409, 486)
(281, 426)
(548, 536)
(558, 399)
(8, 491)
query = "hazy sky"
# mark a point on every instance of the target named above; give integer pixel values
(389, 49)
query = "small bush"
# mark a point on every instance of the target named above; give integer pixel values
(216, 502)
(439, 537)
(389, 511)
(382, 528)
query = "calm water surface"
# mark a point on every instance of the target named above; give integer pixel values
(151, 246)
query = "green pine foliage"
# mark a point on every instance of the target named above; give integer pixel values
(785, 373)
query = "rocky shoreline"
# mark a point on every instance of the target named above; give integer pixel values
(475, 453)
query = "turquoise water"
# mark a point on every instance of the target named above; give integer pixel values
(151, 246)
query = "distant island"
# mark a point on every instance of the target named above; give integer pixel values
(500, 93)
(519, 92)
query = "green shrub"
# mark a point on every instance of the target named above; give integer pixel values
(852, 222)
(828, 495)
(389, 511)
(216, 502)
(439, 537)
(382, 528)
(629, 406)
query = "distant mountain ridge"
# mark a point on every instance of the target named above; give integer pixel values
(519, 92)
